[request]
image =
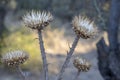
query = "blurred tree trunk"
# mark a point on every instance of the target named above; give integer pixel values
(109, 56)
(2, 16)
(2, 27)
(3, 11)
(3, 8)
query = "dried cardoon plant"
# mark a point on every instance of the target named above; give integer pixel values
(82, 65)
(15, 59)
(39, 20)
(83, 28)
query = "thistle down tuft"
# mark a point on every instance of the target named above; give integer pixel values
(14, 58)
(83, 27)
(37, 19)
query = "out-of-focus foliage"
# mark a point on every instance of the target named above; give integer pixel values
(33, 4)
(8, 4)
(66, 9)
(3, 2)
(24, 41)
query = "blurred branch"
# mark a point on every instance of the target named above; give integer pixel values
(114, 24)
(99, 13)
(109, 65)
(103, 63)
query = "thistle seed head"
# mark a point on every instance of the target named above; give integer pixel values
(14, 58)
(37, 19)
(81, 64)
(83, 27)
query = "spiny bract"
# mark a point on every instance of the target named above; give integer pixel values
(83, 27)
(81, 64)
(37, 19)
(14, 58)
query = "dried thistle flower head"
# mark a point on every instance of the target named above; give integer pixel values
(81, 64)
(14, 58)
(37, 19)
(83, 27)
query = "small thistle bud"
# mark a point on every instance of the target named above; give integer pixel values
(37, 19)
(14, 58)
(83, 27)
(81, 64)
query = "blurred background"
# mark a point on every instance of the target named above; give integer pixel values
(59, 36)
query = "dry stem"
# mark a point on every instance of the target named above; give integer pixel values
(21, 73)
(77, 75)
(69, 55)
(43, 54)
